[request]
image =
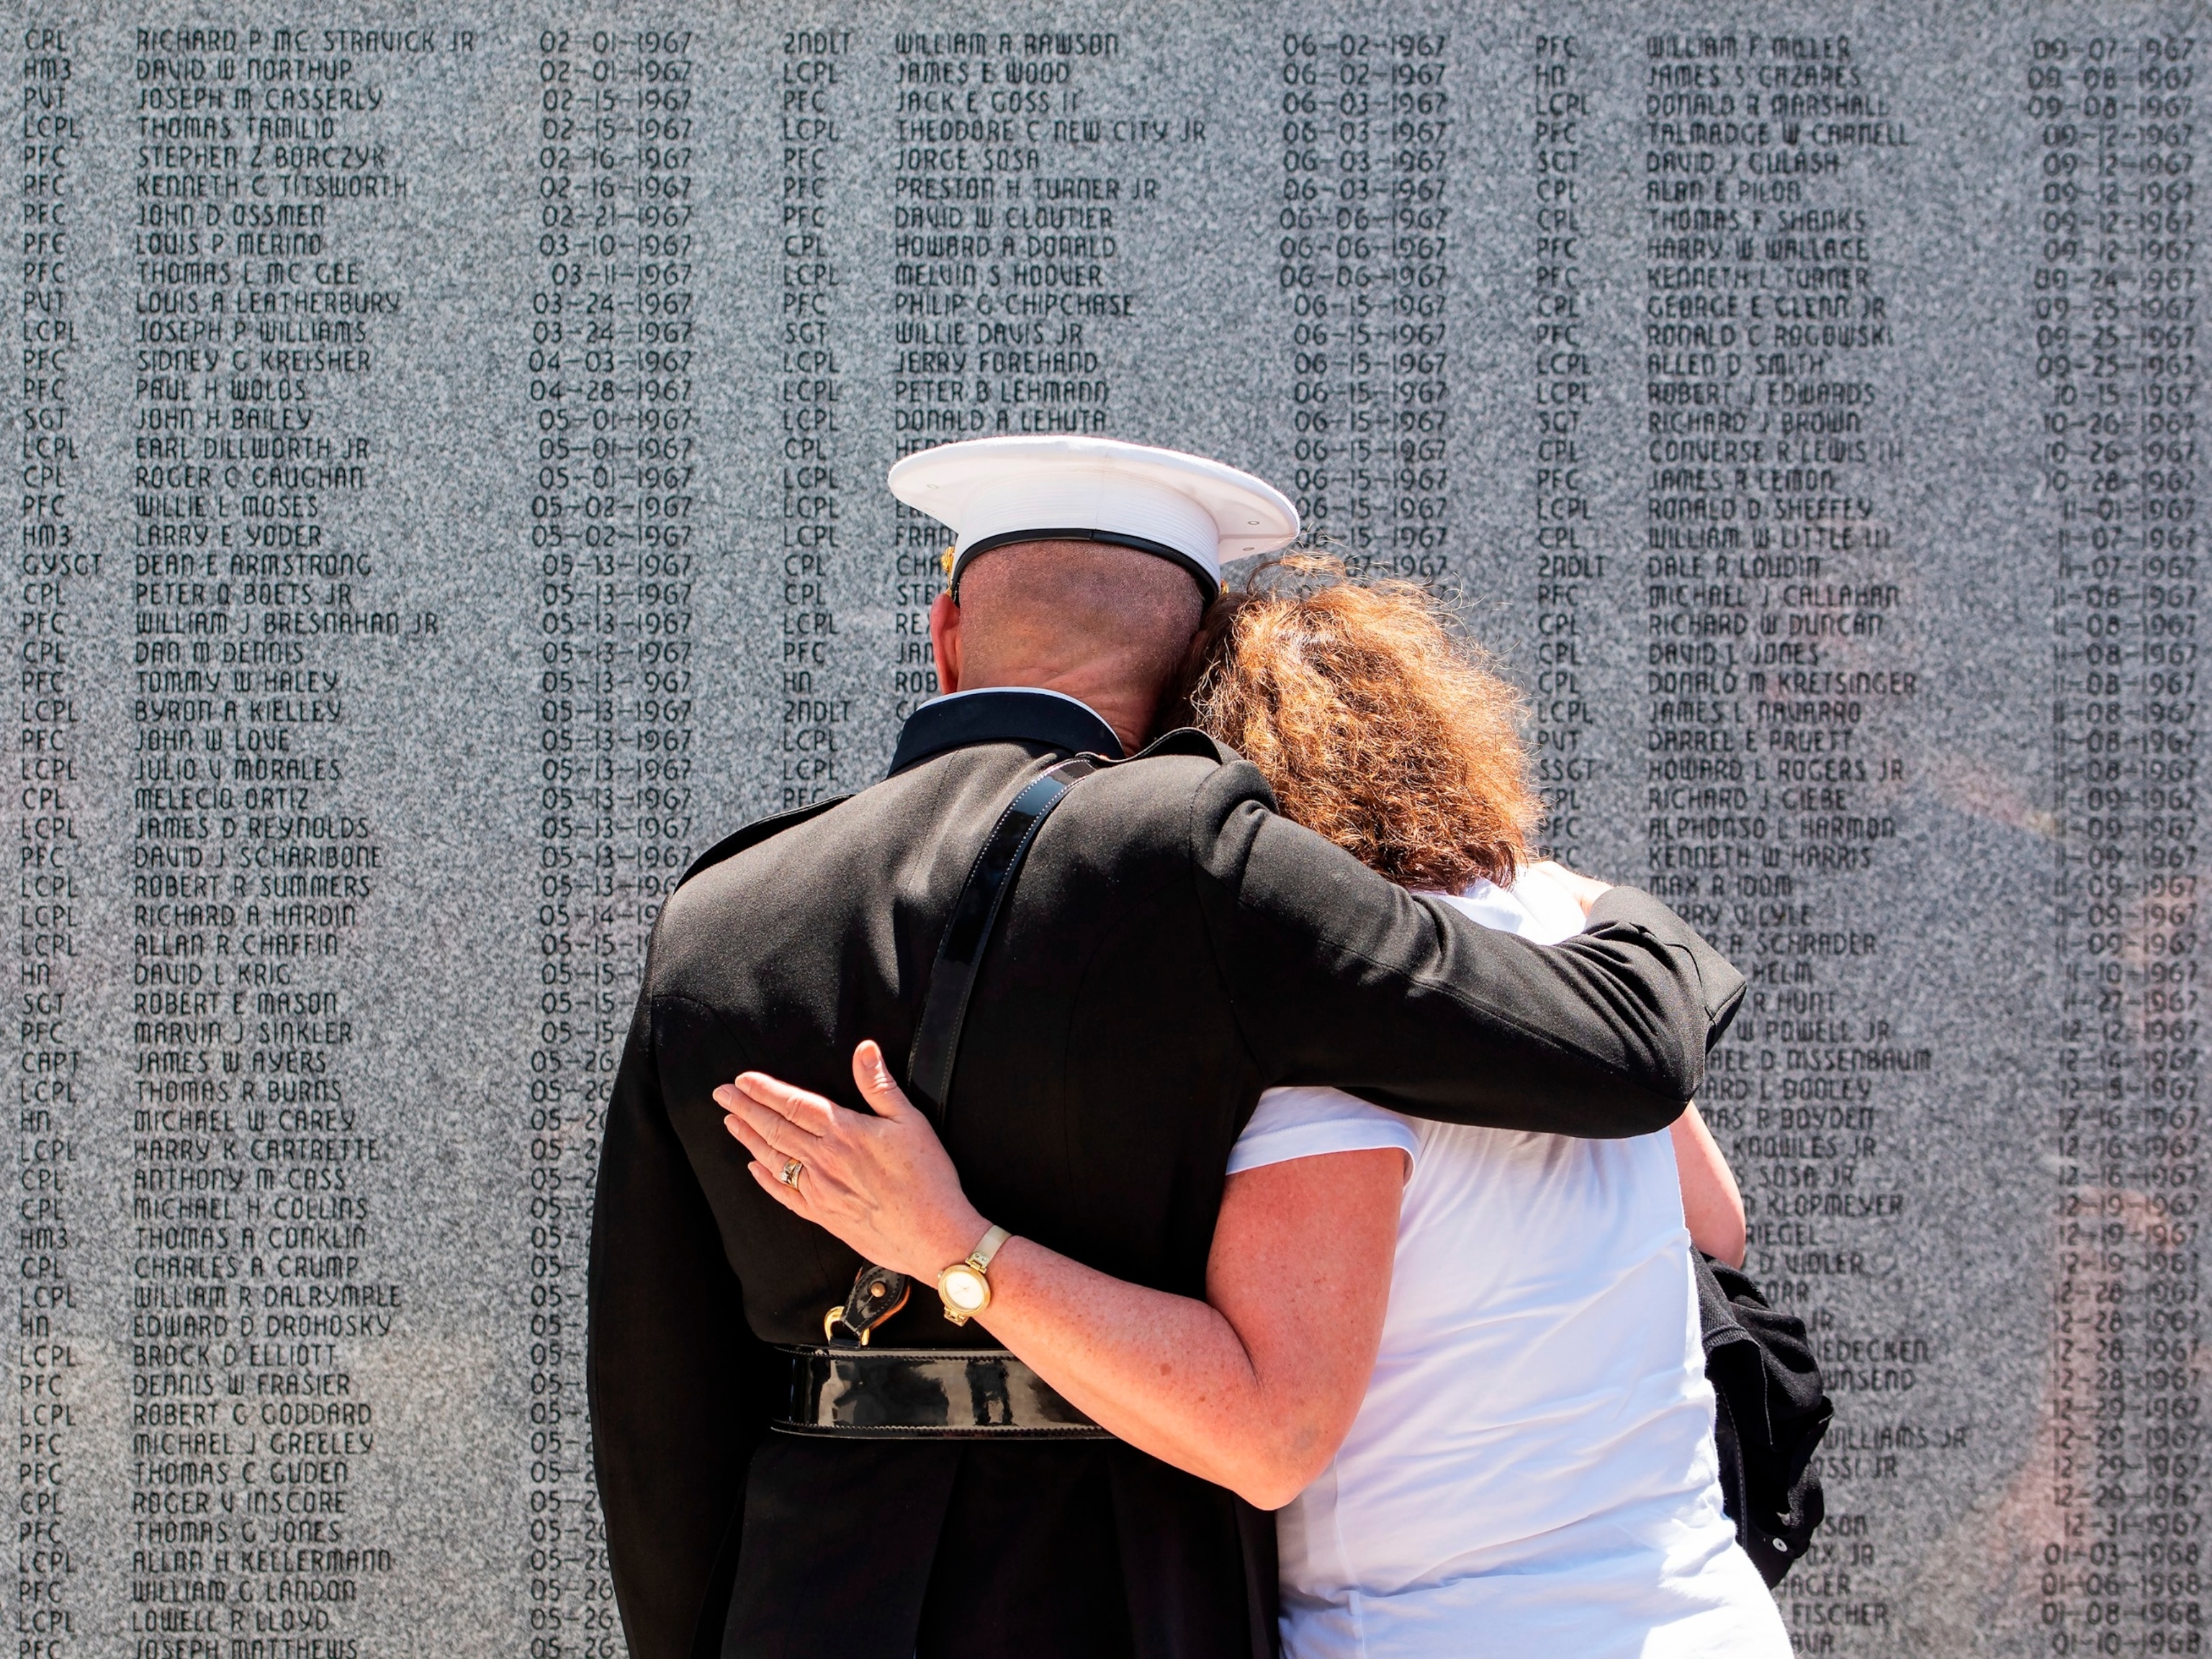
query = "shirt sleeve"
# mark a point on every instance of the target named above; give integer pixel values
(1536, 906)
(1310, 1122)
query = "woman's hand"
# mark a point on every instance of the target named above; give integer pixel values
(1585, 890)
(1254, 1392)
(881, 1184)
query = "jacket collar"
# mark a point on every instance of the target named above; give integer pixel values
(1003, 715)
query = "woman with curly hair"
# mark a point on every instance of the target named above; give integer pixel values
(1485, 1428)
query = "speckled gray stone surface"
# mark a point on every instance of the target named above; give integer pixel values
(451, 450)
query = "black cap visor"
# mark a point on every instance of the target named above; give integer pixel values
(1209, 585)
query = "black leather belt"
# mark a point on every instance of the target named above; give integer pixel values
(927, 1394)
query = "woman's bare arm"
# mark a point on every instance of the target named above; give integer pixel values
(1253, 1389)
(1711, 1206)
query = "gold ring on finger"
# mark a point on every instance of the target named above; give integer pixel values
(792, 1171)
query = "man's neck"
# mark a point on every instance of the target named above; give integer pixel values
(1130, 716)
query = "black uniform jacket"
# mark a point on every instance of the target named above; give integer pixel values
(1173, 948)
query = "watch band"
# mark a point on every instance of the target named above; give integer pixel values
(980, 1257)
(972, 1275)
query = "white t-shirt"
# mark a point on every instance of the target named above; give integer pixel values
(1532, 1471)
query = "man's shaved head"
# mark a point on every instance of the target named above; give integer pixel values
(1108, 624)
(1037, 603)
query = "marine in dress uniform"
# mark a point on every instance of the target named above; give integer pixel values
(1173, 948)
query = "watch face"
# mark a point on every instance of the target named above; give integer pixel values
(964, 1289)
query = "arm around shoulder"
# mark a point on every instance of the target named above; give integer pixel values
(1338, 977)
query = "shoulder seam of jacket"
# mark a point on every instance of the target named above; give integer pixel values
(746, 836)
(1205, 917)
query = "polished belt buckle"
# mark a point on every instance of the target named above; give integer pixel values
(877, 1294)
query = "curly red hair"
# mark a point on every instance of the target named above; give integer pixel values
(1375, 725)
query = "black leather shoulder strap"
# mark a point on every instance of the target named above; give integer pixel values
(759, 831)
(878, 1293)
(974, 914)
(990, 878)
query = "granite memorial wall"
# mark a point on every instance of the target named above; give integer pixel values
(451, 444)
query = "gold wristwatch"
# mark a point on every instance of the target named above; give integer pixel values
(965, 1287)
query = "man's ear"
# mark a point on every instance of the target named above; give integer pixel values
(945, 641)
(1174, 709)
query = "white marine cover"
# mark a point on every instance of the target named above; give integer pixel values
(985, 490)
